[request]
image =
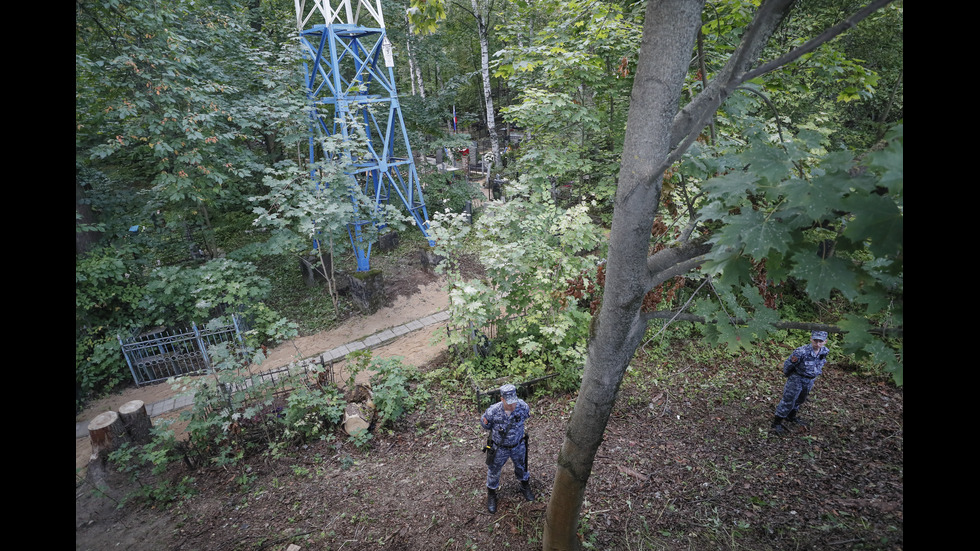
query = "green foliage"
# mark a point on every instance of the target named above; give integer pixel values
(167, 102)
(110, 301)
(146, 466)
(293, 299)
(396, 388)
(309, 411)
(837, 227)
(361, 438)
(108, 289)
(425, 16)
(393, 393)
(236, 414)
(99, 365)
(174, 296)
(444, 193)
(533, 253)
(178, 107)
(574, 68)
(853, 81)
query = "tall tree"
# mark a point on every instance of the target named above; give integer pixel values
(658, 133)
(425, 15)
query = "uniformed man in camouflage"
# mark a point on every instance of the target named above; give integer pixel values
(800, 369)
(505, 421)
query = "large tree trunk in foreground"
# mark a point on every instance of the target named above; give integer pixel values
(656, 134)
(668, 39)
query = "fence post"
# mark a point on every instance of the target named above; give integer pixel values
(472, 337)
(202, 347)
(129, 363)
(238, 335)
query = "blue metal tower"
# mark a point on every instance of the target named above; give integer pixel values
(351, 92)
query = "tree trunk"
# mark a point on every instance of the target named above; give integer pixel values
(657, 133)
(136, 421)
(106, 431)
(414, 69)
(668, 38)
(483, 30)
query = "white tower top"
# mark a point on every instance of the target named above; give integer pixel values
(332, 12)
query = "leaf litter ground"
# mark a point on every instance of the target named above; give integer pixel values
(686, 463)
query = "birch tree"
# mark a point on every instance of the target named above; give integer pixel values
(424, 17)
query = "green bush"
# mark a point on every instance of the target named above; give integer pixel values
(395, 387)
(443, 191)
(310, 411)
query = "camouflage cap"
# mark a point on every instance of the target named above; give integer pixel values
(509, 393)
(819, 336)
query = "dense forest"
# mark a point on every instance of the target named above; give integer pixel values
(726, 172)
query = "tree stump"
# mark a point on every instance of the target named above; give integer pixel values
(429, 259)
(358, 417)
(367, 290)
(106, 432)
(136, 421)
(388, 241)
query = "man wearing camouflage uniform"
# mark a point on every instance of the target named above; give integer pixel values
(800, 369)
(505, 421)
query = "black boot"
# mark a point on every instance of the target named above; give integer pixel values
(777, 427)
(491, 500)
(792, 418)
(526, 490)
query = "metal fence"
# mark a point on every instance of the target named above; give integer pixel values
(160, 353)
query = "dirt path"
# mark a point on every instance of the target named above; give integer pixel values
(415, 348)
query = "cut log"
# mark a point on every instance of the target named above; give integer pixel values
(357, 417)
(136, 421)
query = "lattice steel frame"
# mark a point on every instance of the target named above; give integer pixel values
(347, 87)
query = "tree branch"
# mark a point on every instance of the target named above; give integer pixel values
(674, 261)
(894, 332)
(693, 117)
(814, 43)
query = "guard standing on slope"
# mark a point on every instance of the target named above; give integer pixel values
(803, 366)
(507, 440)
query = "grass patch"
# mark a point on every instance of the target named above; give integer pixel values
(308, 306)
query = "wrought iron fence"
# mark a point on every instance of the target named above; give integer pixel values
(160, 353)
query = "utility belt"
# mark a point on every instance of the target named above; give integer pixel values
(510, 447)
(491, 449)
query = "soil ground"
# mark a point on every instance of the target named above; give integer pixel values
(687, 463)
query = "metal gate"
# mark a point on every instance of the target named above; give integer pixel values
(158, 354)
